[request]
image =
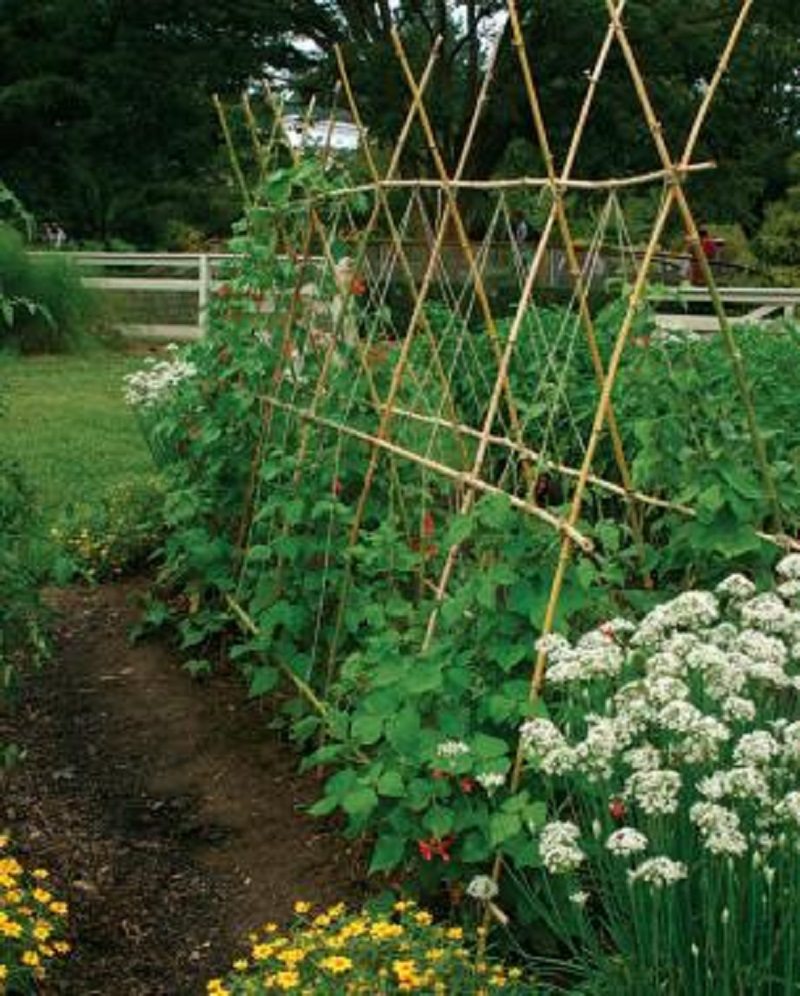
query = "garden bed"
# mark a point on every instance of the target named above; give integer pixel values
(169, 815)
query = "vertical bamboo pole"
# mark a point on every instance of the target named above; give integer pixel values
(601, 414)
(557, 188)
(729, 340)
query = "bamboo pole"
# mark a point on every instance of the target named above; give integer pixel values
(563, 222)
(636, 298)
(462, 477)
(396, 240)
(780, 540)
(521, 182)
(236, 166)
(693, 236)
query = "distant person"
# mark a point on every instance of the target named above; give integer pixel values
(521, 228)
(711, 249)
(59, 236)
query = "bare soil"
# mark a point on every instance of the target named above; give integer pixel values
(169, 812)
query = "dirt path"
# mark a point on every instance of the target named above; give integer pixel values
(168, 810)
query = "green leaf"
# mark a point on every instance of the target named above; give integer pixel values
(503, 826)
(486, 748)
(367, 728)
(459, 530)
(360, 801)
(263, 680)
(404, 731)
(388, 853)
(391, 785)
(324, 807)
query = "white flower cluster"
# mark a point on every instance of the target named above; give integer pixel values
(148, 387)
(452, 748)
(659, 872)
(490, 781)
(684, 728)
(482, 888)
(558, 847)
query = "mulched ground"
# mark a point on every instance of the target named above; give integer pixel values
(169, 813)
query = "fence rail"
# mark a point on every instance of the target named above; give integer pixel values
(194, 275)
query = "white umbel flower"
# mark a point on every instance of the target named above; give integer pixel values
(490, 781)
(789, 568)
(756, 748)
(656, 792)
(452, 749)
(720, 829)
(659, 872)
(737, 588)
(482, 888)
(149, 387)
(767, 612)
(558, 847)
(627, 841)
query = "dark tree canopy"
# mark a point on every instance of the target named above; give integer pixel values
(106, 120)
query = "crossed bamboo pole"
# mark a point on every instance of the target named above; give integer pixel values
(675, 194)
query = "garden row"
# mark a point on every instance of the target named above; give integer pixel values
(650, 810)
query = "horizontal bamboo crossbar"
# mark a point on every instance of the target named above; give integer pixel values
(463, 478)
(777, 539)
(519, 182)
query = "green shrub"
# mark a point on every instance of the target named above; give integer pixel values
(50, 311)
(112, 538)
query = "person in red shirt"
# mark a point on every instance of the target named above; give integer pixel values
(711, 249)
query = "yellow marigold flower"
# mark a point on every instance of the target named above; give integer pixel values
(241, 964)
(215, 987)
(336, 911)
(42, 896)
(10, 928)
(42, 930)
(3, 839)
(291, 956)
(31, 958)
(301, 907)
(59, 908)
(405, 967)
(13, 897)
(287, 980)
(62, 947)
(323, 920)
(423, 918)
(404, 905)
(40, 873)
(382, 931)
(336, 964)
(435, 954)
(262, 951)
(270, 928)
(454, 933)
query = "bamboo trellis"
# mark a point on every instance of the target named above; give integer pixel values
(390, 395)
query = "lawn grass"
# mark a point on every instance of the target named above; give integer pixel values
(65, 421)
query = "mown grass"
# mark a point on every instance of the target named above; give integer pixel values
(65, 421)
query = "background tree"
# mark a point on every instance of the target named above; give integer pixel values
(106, 120)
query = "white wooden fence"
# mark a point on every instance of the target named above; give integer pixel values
(195, 274)
(182, 273)
(687, 308)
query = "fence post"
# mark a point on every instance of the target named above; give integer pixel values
(203, 280)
